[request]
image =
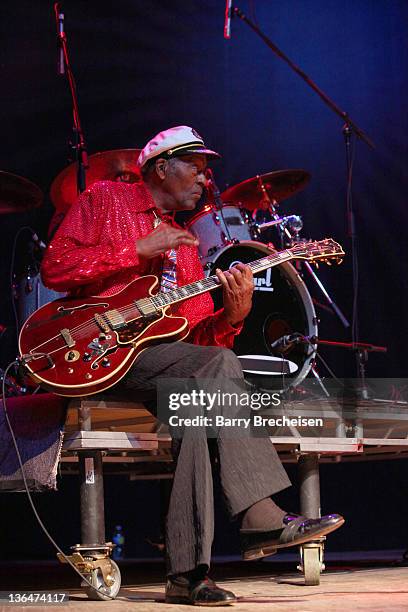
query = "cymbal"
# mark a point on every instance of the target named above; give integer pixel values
(103, 166)
(18, 194)
(278, 185)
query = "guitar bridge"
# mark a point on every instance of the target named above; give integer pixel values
(66, 334)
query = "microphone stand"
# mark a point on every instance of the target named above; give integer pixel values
(349, 128)
(78, 146)
(362, 349)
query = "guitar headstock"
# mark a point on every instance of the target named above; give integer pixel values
(327, 250)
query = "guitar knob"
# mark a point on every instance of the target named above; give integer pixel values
(105, 362)
(87, 357)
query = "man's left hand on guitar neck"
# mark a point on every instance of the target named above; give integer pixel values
(238, 287)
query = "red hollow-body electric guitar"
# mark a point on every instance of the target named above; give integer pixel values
(80, 346)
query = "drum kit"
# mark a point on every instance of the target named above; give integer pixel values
(229, 232)
(230, 227)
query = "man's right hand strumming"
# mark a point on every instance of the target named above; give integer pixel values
(162, 239)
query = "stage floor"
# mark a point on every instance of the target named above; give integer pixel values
(366, 582)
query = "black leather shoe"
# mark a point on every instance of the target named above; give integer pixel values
(202, 593)
(297, 529)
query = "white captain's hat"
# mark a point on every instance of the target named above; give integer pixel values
(179, 140)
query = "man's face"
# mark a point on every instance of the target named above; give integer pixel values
(184, 180)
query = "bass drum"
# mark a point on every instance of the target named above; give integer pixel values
(281, 305)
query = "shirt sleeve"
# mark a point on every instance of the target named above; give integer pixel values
(214, 330)
(75, 256)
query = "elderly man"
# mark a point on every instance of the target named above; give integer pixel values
(119, 231)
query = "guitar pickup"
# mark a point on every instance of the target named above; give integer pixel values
(66, 334)
(115, 319)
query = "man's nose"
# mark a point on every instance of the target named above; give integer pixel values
(202, 179)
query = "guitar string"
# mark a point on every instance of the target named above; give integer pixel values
(86, 326)
(177, 293)
(206, 283)
(180, 292)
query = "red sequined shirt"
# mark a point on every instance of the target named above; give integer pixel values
(94, 253)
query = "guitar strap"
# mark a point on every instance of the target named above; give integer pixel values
(168, 276)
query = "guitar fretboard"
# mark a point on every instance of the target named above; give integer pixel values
(208, 284)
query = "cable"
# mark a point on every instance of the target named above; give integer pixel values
(37, 516)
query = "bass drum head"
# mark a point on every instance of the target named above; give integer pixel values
(281, 305)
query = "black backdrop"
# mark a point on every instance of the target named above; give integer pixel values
(144, 66)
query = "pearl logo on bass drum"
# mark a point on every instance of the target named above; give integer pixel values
(261, 282)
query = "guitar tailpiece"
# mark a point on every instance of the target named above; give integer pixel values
(24, 359)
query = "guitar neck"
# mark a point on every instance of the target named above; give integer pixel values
(210, 283)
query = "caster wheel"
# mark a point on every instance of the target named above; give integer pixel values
(311, 566)
(104, 592)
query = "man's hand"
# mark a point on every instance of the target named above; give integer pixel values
(237, 286)
(162, 239)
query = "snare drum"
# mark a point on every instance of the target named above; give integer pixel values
(217, 228)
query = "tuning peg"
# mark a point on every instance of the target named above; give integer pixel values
(329, 263)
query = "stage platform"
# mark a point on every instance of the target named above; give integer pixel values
(374, 581)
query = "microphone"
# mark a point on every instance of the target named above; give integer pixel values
(227, 19)
(284, 343)
(59, 17)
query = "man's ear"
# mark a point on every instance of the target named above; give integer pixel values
(161, 167)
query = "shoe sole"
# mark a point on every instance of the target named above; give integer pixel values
(265, 551)
(182, 600)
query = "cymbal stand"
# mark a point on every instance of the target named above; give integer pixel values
(217, 205)
(272, 205)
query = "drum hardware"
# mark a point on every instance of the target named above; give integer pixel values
(292, 225)
(319, 380)
(215, 194)
(27, 289)
(263, 189)
(281, 305)
(283, 345)
(268, 224)
(270, 204)
(326, 295)
(293, 222)
(30, 293)
(362, 350)
(213, 235)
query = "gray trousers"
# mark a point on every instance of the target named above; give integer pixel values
(250, 469)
